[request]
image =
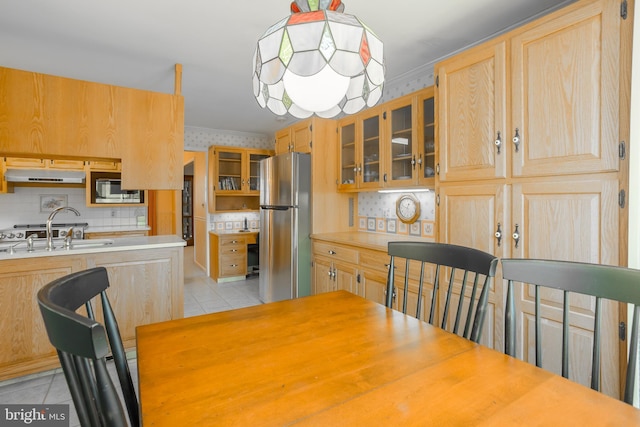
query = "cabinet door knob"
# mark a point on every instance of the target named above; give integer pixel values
(516, 140)
(516, 236)
(498, 142)
(498, 234)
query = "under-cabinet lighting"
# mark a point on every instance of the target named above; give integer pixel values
(405, 190)
(402, 141)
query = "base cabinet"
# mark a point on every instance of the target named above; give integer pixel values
(146, 286)
(228, 255)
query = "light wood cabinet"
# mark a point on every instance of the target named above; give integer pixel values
(528, 153)
(391, 145)
(283, 141)
(472, 115)
(234, 178)
(296, 138)
(57, 117)
(228, 255)
(146, 286)
(152, 159)
(104, 165)
(362, 161)
(335, 268)
(40, 163)
(363, 271)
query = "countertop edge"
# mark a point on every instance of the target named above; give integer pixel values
(375, 241)
(120, 244)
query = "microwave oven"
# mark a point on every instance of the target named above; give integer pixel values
(106, 188)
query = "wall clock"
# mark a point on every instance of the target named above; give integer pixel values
(408, 208)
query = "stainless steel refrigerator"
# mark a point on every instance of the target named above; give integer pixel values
(285, 225)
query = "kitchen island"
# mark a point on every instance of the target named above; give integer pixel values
(146, 276)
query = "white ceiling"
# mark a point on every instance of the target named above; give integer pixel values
(135, 43)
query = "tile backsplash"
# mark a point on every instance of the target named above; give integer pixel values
(233, 221)
(23, 206)
(377, 214)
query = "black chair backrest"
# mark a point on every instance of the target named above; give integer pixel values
(82, 344)
(600, 281)
(457, 258)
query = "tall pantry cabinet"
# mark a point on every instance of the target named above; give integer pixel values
(531, 160)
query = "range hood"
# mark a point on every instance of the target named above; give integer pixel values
(45, 176)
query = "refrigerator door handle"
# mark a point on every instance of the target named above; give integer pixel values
(275, 208)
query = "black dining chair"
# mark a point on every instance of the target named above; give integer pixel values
(83, 345)
(460, 260)
(600, 281)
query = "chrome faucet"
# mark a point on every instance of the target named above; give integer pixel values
(50, 221)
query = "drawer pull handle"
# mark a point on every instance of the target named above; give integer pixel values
(331, 252)
(233, 265)
(234, 250)
(234, 241)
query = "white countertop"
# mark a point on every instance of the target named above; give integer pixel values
(97, 245)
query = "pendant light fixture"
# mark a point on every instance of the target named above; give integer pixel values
(318, 60)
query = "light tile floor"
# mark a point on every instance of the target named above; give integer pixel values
(201, 295)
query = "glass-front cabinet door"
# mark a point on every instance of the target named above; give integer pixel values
(426, 135)
(348, 154)
(401, 142)
(230, 170)
(372, 161)
(253, 174)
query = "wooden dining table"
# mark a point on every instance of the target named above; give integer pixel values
(337, 359)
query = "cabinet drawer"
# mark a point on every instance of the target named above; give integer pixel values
(20, 162)
(105, 165)
(233, 250)
(233, 265)
(231, 241)
(336, 252)
(374, 260)
(66, 164)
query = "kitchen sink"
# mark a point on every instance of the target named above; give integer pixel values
(40, 245)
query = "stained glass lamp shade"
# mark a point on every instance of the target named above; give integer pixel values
(318, 60)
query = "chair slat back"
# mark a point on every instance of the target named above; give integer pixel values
(599, 281)
(83, 345)
(481, 265)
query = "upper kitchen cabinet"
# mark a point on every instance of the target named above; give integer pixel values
(297, 137)
(361, 151)
(564, 99)
(400, 141)
(472, 103)
(234, 178)
(426, 137)
(57, 117)
(153, 156)
(565, 93)
(391, 145)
